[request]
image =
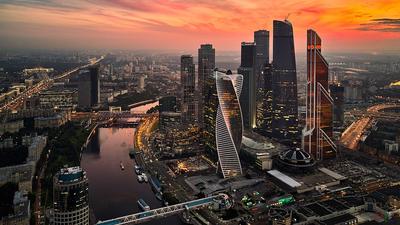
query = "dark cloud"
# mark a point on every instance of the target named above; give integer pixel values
(381, 25)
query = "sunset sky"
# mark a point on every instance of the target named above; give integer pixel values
(344, 25)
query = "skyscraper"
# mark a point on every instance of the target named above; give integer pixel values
(285, 112)
(337, 93)
(317, 135)
(207, 96)
(188, 82)
(89, 87)
(265, 107)
(248, 96)
(261, 39)
(229, 125)
(71, 197)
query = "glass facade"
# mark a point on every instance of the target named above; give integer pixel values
(285, 103)
(317, 135)
(188, 83)
(229, 125)
(208, 101)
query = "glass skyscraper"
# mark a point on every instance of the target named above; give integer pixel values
(89, 87)
(317, 135)
(248, 96)
(188, 83)
(207, 96)
(285, 112)
(229, 125)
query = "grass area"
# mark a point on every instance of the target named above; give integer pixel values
(65, 150)
(6, 198)
(13, 156)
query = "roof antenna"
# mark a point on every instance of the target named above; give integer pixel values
(287, 17)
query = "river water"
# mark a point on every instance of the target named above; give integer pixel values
(114, 192)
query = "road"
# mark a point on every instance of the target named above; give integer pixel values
(352, 136)
(42, 85)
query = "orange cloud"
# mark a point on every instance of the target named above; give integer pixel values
(184, 24)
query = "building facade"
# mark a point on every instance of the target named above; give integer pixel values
(248, 94)
(89, 87)
(208, 100)
(285, 112)
(71, 197)
(188, 83)
(229, 124)
(317, 135)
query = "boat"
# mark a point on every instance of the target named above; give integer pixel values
(159, 196)
(140, 178)
(146, 179)
(155, 184)
(132, 154)
(143, 206)
(138, 170)
(121, 165)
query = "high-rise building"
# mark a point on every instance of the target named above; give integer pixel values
(167, 104)
(317, 134)
(261, 39)
(89, 87)
(229, 125)
(337, 93)
(265, 107)
(71, 197)
(285, 112)
(188, 82)
(248, 96)
(207, 96)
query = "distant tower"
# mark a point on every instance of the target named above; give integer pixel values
(188, 82)
(248, 96)
(229, 125)
(261, 39)
(317, 135)
(89, 87)
(337, 93)
(285, 118)
(71, 197)
(207, 96)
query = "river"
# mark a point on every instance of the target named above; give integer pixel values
(114, 192)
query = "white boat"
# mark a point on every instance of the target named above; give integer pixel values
(140, 178)
(146, 179)
(138, 170)
(122, 166)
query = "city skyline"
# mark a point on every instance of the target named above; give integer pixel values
(366, 26)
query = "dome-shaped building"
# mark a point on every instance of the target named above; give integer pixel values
(295, 161)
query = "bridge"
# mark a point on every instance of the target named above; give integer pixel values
(165, 211)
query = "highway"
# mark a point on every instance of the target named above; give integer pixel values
(352, 136)
(42, 85)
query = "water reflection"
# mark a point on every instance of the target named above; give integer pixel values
(113, 192)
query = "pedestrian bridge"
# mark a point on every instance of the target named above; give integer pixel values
(165, 211)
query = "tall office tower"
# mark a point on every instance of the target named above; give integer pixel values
(229, 125)
(261, 38)
(207, 96)
(265, 109)
(89, 87)
(71, 197)
(337, 93)
(188, 82)
(285, 112)
(167, 104)
(317, 134)
(248, 96)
